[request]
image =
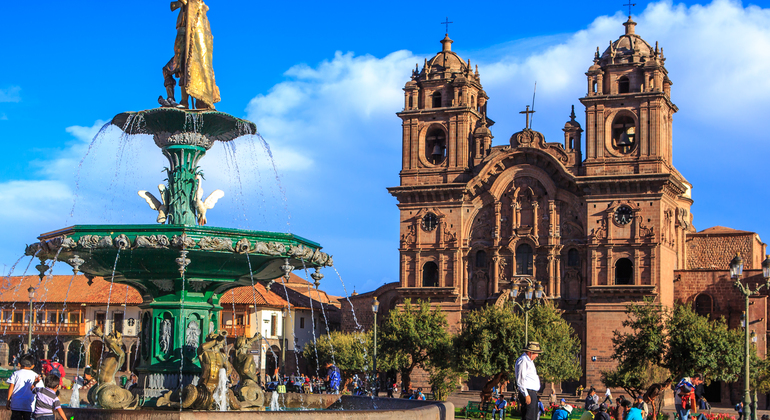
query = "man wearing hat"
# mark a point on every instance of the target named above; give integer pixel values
(527, 381)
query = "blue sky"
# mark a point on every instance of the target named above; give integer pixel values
(323, 83)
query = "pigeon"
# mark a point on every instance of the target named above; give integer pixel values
(161, 205)
(203, 205)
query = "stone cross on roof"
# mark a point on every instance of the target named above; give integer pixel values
(447, 22)
(629, 4)
(527, 112)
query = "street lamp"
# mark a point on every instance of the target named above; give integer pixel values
(736, 272)
(532, 288)
(31, 292)
(375, 309)
(283, 344)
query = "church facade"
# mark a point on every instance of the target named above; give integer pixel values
(596, 232)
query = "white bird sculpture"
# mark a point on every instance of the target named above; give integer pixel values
(161, 206)
(204, 205)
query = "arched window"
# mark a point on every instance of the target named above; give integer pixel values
(436, 99)
(524, 259)
(481, 259)
(430, 274)
(473, 102)
(703, 304)
(573, 258)
(594, 87)
(623, 85)
(624, 271)
(571, 143)
(410, 102)
(435, 146)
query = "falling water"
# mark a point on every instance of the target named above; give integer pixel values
(266, 147)
(220, 393)
(230, 155)
(75, 397)
(23, 276)
(312, 320)
(274, 402)
(63, 313)
(109, 296)
(96, 138)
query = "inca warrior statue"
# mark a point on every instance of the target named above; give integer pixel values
(192, 61)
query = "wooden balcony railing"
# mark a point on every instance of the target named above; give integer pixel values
(43, 329)
(236, 330)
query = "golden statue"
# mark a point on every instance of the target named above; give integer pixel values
(192, 61)
(201, 397)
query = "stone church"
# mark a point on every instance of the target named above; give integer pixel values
(596, 231)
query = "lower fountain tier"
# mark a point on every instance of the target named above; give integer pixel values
(151, 258)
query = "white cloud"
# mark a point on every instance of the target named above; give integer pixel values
(11, 94)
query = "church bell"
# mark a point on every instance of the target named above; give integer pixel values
(627, 138)
(437, 153)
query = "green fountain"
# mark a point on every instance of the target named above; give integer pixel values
(180, 266)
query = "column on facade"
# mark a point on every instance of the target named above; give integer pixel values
(610, 267)
(643, 130)
(600, 84)
(516, 218)
(551, 271)
(493, 279)
(637, 267)
(591, 133)
(466, 275)
(442, 269)
(535, 218)
(599, 130)
(497, 235)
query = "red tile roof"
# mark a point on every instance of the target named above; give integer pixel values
(721, 230)
(55, 289)
(260, 296)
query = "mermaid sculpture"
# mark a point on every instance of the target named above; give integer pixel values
(201, 396)
(249, 391)
(107, 394)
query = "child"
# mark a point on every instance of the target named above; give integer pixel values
(20, 397)
(47, 399)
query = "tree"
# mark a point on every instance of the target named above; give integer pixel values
(413, 337)
(699, 345)
(492, 338)
(489, 343)
(639, 353)
(350, 352)
(559, 361)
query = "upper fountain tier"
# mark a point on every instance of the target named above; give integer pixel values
(174, 126)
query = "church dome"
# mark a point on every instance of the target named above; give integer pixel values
(629, 48)
(447, 59)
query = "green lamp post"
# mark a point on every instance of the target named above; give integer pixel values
(736, 272)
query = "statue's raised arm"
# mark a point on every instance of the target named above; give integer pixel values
(192, 61)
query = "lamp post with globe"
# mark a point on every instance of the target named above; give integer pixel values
(736, 273)
(533, 289)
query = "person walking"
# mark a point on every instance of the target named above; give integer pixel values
(607, 396)
(527, 381)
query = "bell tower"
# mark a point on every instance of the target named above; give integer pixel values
(637, 204)
(628, 109)
(444, 121)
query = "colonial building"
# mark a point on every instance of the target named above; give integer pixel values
(596, 231)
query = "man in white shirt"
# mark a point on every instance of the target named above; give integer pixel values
(527, 381)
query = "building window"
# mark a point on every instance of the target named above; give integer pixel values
(437, 99)
(117, 320)
(435, 146)
(302, 322)
(273, 326)
(623, 85)
(703, 304)
(481, 259)
(524, 260)
(430, 274)
(594, 86)
(573, 258)
(624, 271)
(410, 102)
